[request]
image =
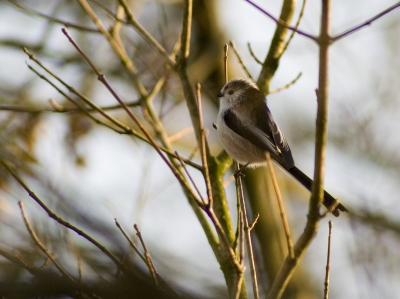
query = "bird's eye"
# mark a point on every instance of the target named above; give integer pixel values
(231, 91)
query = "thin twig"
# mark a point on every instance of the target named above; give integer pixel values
(117, 47)
(95, 108)
(241, 236)
(203, 146)
(366, 23)
(102, 79)
(147, 36)
(296, 27)
(95, 119)
(41, 245)
(328, 262)
(73, 90)
(251, 226)
(240, 230)
(282, 210)
(57, 108)
(200, 202)
(150, 263)
(281, 23)
(226, 62)
(258, 60)
(61, 221)
(232, 44)
(154, 118)
(180, 134)
(271, 61)
(186, 31)
(52, 19)
(287, 85)
(107, 10)
(246, 230)
(130, 241)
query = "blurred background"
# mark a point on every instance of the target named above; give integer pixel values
(89, 174)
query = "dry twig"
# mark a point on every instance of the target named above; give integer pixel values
(328, 262)
(282, 210)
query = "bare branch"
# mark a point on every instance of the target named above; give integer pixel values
(57, 108)
(282, 210)
(150, 263)
(295, 27)
(251, 226)
(142, 257)
(253, 54)
(246, 230)
(204, 150)
(52, 19)
(226, 62)
(41, 245)
(232, 44)
(186, 30)
(282, 23)
(147, 36)
(328, 262)
(102, 79)
(61, 221)
(287, 268)
(287, 85)
(366, 23)
(200, 202)
(271, 61)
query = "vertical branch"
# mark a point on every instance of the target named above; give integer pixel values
(324, 42)
(226, 47)
(287, 269)
(246, 230)
(328, 262)
(203, 147)
(239, 287)
(186, 29)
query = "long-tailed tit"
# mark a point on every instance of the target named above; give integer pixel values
(247, 131)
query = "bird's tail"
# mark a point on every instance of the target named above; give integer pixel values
(329, 200)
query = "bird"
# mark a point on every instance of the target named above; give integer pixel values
(247, 130)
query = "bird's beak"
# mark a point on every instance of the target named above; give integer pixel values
(220, 95)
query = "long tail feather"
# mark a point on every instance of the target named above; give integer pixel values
(329, 200)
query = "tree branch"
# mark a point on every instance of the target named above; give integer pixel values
(366, 23)
(287, 269)
(271, 62)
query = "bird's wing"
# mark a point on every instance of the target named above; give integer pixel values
(262, 135)
(265, 122)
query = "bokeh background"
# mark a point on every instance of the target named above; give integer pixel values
(90, 175)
